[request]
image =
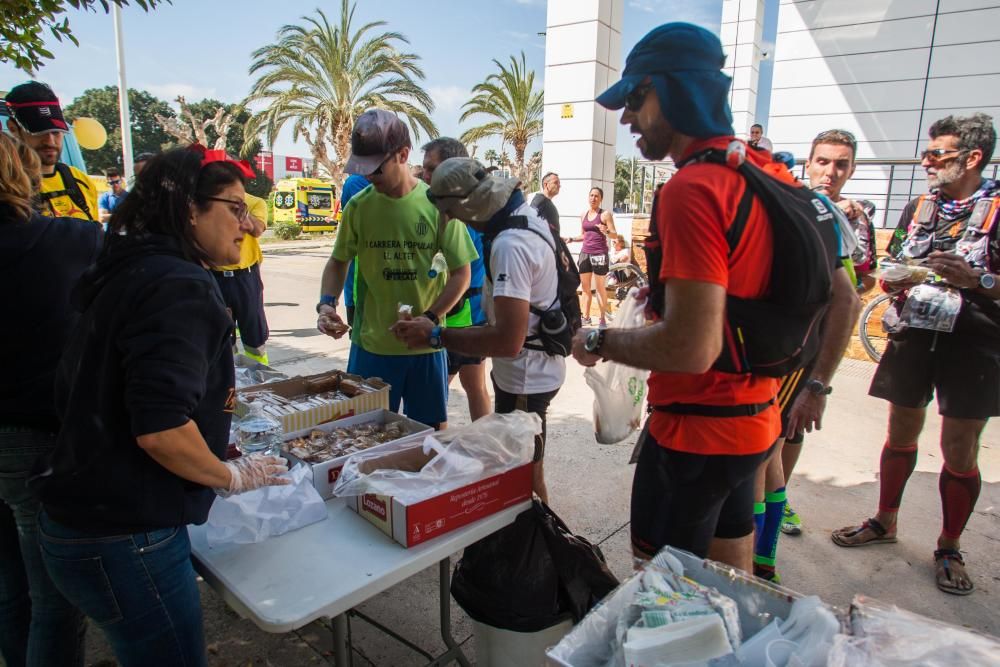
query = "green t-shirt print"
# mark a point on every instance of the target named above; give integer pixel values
(394, 241)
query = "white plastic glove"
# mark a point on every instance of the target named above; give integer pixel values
(253, 472)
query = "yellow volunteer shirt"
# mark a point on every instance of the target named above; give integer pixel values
(62, 205)
(250, 253)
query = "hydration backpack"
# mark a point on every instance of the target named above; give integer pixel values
(780, 332)
(71, 189)
(558, 323)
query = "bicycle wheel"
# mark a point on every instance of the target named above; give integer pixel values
(626, 276)
(873, 336)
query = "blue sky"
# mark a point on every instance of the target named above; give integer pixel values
(201, 48)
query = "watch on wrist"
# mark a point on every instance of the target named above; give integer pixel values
(594, 340)
(435, 338)
(432, 317)
(987, 281)
(326, 300)
(818, 388)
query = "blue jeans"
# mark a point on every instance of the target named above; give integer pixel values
(139, 589)
(37, 625)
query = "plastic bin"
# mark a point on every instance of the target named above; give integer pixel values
(496, 647)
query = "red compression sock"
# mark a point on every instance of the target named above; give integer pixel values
(959, 492)
(895, 469)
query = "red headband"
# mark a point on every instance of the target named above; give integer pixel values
(215, 155)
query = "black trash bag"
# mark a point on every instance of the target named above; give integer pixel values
(531, 575)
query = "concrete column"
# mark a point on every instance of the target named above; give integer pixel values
(583, 56)
(741, 34)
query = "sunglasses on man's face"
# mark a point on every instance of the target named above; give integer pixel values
(935, 154)
(378, 169)
(635, 99)
(115, 182)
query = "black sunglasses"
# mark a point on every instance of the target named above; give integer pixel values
(635, 99)
(378, 169)
(241, 211)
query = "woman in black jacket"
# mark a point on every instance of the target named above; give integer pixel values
(40, 260)
(145, 392)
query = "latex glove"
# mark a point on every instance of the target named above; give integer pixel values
(253, 472)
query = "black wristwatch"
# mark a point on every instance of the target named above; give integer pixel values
(818, 388)
(432, 317)
(326, 300)
(594, 341)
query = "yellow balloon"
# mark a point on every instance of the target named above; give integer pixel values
(89, 133)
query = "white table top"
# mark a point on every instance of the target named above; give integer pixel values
(325, 569)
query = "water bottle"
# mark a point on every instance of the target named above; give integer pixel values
(438, 265)
(259, 433)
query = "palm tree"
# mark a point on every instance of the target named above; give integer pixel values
(491, 156)
(321, 77)
(509, 98)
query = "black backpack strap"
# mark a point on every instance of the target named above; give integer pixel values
(695, 409)
(71, 188)
(735, 231)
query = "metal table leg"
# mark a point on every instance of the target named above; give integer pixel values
(341, 643)
(454, 650)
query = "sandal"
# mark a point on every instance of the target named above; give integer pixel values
(843, 536)
(950, 572)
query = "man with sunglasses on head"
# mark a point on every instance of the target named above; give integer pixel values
(393, 233)
(36, 118)
(241, 284)
(709, 430)
(109, 200)
(945, 338)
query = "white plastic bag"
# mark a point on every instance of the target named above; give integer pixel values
(254, 516)
(619, 390)
(488, 446)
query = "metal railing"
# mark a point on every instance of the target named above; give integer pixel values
(889, 184)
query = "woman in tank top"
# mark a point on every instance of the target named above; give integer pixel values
(598, 226)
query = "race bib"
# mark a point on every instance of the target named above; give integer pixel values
(931, 307)
(598, 260)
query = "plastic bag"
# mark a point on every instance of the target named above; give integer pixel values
(886, 636)
(619, 390)
(254, 516)
(488, 446)
(531, 575)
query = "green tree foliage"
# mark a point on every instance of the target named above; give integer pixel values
(514, 108)
(320, 77)
(23, 24)
(102, 105)
(627, 173)
(491, 156)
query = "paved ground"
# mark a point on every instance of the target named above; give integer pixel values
(589, 484)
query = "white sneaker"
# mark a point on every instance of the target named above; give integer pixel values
(586, 321)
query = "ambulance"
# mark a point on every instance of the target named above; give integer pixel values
(309, 202)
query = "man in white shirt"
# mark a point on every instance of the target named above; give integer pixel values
(522, 284)
(758, 140)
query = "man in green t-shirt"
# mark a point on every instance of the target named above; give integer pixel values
(393, 231)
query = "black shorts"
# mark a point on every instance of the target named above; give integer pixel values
(684, 500)
(791, 386)
(456, 361)
(963, 370)
(243, 292)
(596, 264)
(537, 403)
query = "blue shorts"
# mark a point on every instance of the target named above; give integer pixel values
(419, 381)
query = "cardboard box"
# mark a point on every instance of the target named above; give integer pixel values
(413, 524)
(325, 474)
(361, 402)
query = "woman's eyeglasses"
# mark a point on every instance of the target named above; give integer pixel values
(239, 207)
(935, 154)
(635, 99)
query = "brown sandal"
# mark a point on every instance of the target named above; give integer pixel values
(950, 570)
(843, 536)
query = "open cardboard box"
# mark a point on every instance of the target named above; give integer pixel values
(360, 400)
(325, 474)
(411, 524)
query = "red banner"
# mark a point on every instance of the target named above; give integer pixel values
(265, 163)
(293, 163)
